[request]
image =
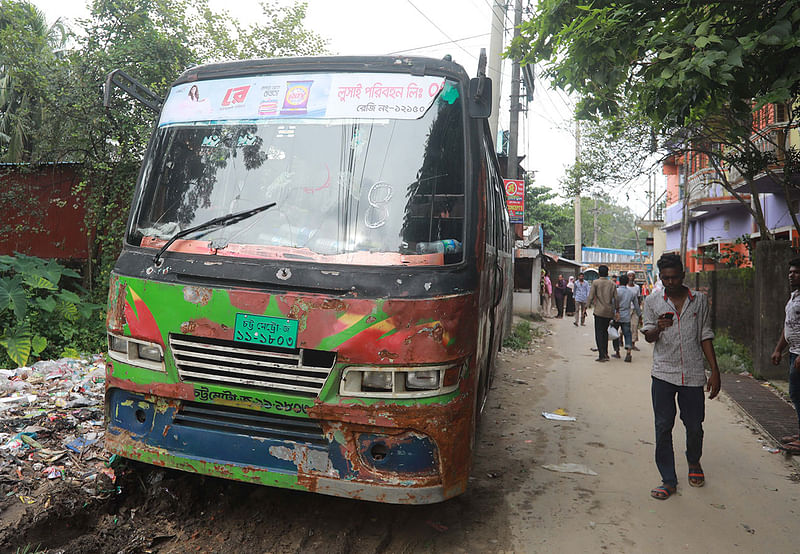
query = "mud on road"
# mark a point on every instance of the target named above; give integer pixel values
(150, 509)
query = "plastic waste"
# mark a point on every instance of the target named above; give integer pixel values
(446, 246)
(570, 468)
(558, 417)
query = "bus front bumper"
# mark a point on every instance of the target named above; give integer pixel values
(354, 460)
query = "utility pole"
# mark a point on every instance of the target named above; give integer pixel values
(594, 212)
(513, 122)
(685, 210)
(495, 62)
(578, 231)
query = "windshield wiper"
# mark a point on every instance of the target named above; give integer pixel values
(230, 218)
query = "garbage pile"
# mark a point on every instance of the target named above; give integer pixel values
(51, 428)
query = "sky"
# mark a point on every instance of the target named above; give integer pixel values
(434, 29)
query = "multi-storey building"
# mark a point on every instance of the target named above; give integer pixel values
(719, 226)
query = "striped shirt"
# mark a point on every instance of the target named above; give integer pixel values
(677, 354)
(791, 325)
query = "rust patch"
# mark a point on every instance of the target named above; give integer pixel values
(386, 355)
(371, 319)
(115, 314)
(181, 391)
(249, 301)
(451, 426)
(204, 327)
(334, 304)
(197, 295)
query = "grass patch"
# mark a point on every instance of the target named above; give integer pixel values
(732, 357)
(520, 336)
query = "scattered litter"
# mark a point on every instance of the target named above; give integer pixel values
(718, 506)
(54, 472)
(748, 529)
(557, 416)
(771, 449)
(570, 468)
(52, 425)
(438, 526)
(493, 475)
(79, 445)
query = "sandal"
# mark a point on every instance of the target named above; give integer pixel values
(791, 447)
(663, 492)
(789, 438)
(696, 477)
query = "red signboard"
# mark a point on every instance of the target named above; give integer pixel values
(515, 199)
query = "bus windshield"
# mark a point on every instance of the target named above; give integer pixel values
(380, 189)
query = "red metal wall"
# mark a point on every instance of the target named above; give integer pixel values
(39, 214)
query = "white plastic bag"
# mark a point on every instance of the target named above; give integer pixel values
(613, 333)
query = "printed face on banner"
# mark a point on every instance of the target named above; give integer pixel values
(318, 95)
(515, 199)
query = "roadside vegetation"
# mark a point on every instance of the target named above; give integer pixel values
(44, 312)
(732, 357)
(520, 337)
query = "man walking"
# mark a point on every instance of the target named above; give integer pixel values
(790, 336)
(627, 306)
(581, 295)
(559, 293)
(602, 297)
(635, 316)
(677, 320)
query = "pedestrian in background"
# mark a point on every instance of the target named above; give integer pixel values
(636, 317)
(581, 295)
(569, 308)
(678, 323)
(547, 305)
(602, 298)
(627, 306)
(559, 293)
(790, 336)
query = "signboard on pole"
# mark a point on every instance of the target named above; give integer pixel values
(515, 199)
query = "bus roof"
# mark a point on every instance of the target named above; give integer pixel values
(415, 65)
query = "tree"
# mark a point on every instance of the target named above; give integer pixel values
(29, 50)
(554, 218)
(695, 71)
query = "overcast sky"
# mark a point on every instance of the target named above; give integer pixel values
(426, 27)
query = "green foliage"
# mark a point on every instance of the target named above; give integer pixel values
(39, 316)
(692, 71)
(732, 357)
(727, 255)
(554, 218)
(520, 336)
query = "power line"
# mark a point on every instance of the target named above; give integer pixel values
(440, 29)
(438, 44)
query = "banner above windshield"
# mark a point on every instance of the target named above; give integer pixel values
(310, 95)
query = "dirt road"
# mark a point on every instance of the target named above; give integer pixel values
(513, 504)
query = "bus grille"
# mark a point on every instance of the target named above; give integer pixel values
(299, 371)
(249, 423)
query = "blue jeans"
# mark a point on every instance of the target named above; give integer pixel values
(625, 327)
(692, 405)
(794, 386)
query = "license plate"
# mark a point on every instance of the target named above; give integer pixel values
(261, 329)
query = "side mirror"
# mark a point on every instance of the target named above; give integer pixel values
(480, 97)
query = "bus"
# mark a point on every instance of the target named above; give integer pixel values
(314, 278)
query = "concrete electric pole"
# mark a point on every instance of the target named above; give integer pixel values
(495, 62)
(578, 231)
(513, 123)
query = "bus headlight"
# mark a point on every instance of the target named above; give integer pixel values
(377, 380)
(422, 380)
(401, 382)
(136, 352)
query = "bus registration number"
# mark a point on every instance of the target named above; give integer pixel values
(260, 329)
